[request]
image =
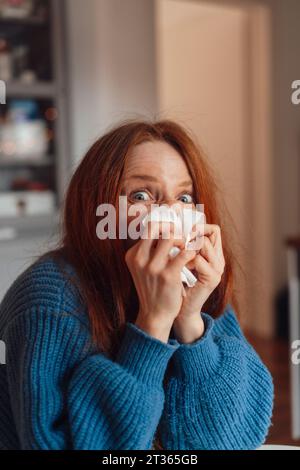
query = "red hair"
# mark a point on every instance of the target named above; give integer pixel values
(105, 282)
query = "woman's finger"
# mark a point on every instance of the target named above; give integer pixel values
(214, 233)
(144, 246)
(157, 241)
(202, 266)
(167, 240)
(209, 253)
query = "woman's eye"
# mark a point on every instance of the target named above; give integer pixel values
(140, 196)
(187, 198)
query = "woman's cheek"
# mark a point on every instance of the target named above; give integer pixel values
(136, 227)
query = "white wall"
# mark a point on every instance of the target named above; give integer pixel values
(112, 65)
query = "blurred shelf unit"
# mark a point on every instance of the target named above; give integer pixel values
(34, 133)
(43, 160)
(17, 23)
(14, 229)
(17, 89)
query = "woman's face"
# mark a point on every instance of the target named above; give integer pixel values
(155, 173)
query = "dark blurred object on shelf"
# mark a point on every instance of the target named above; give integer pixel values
(23, 133)
(282, 313)
(20, 56)
(16, 8)
(22, 184)
(23, 9)
(6, 63)
(25, 41)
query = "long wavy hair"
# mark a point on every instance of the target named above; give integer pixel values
(103, 278)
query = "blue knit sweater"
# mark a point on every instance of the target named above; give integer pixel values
(59, 392)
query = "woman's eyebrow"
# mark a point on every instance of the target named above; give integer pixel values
(156, 180)
(145, 177)
(186, 183)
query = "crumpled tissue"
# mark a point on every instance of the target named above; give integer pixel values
(186, 219)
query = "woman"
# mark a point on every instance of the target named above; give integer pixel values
(105, 349)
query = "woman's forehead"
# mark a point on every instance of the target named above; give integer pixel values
(157, 158)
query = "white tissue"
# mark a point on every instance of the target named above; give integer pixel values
(188, 220)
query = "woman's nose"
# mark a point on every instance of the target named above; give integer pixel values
(169, 202)
(172, 204)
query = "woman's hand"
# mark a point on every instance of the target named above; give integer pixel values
(157, 279)
(208, 266)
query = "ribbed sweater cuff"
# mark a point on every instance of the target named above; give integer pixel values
(198, 360)
(144, 356)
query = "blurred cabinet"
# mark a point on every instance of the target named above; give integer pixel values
(34, 136)
(34, 131)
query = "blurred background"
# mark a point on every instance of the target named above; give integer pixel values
(222, 68)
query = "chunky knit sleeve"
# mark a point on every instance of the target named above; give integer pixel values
(219, 393)
(64, 395)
